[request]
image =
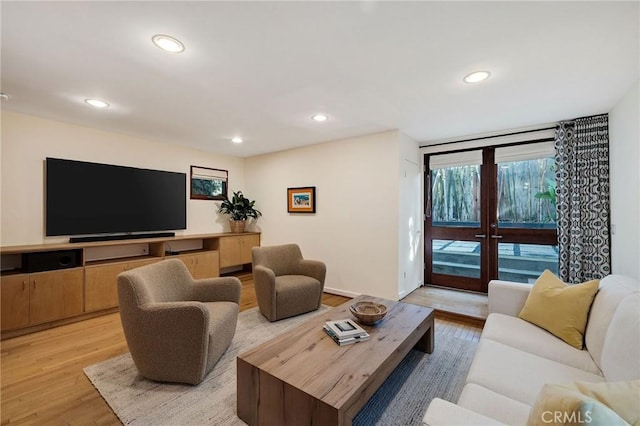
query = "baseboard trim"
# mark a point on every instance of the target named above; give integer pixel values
(341, 292)
(479, 322)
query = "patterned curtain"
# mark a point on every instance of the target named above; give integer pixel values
(582, 179)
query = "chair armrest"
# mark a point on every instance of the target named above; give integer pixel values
(225, 289)
(445, 413)
(264, 280)
(506, 297)
(313, 268)
(265, 275)
(172, 324)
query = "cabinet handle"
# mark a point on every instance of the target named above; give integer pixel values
(24, 285)
(34, 284)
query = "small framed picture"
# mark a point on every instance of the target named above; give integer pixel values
(301, 200)
(208, 184)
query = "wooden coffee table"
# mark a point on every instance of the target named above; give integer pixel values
(304, 377)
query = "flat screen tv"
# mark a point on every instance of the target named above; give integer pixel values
(89, 198)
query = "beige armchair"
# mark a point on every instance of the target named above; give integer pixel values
(177, 328)
(286, 284)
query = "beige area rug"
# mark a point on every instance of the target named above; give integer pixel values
(401, 400)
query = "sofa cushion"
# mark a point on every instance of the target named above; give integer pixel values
(441, 412)
(491, 404)
(613, 288)
(559, 308)
(518, 374)
(621, 351)
(621, 397)
(559, 405)
(296, 294)
(530, 338)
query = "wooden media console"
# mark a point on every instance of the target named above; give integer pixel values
(69, 282)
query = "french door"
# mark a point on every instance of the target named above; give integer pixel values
(489, 213)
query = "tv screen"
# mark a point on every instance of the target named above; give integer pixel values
(91, 198)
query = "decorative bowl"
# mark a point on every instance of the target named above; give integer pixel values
(368, 312)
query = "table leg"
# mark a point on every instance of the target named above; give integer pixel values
(427, 341)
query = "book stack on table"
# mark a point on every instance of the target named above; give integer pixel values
(345, 332)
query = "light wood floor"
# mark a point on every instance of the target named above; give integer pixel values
(461, 303)
(42, 381)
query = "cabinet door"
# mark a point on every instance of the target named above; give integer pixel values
(229, 251)
(202, 265)
(55, 294)
(247, 242)
(101, 284)
(15, 301)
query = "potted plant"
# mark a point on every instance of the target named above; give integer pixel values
(240, 208)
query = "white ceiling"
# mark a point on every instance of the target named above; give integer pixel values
(261, 69)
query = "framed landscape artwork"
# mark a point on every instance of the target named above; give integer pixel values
(208, 184)
(301, 200)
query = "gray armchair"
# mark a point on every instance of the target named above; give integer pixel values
(177, 328)
(285, 283)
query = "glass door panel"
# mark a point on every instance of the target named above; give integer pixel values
(527, 194)
(525, 262)
(488, 219)
(526, 211)
(459, 258)
(456, 196)
(455, 251)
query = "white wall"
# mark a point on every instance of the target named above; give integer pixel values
(361, 210)
(355, 229)
(624, 158)
(28, 140)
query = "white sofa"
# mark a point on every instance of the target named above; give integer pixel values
(515, 359)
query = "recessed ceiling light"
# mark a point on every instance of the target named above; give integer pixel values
(477, 76)
(167, 43)
(319, 117)
(236, 139)
(4, 96)
(97, 103)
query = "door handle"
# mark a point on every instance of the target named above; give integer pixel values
(497, 237)
(480, 235)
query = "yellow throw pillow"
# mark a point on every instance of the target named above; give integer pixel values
(559, 405)
(559, 308)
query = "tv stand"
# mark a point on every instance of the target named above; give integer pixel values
(64, 292)
(92, 238)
